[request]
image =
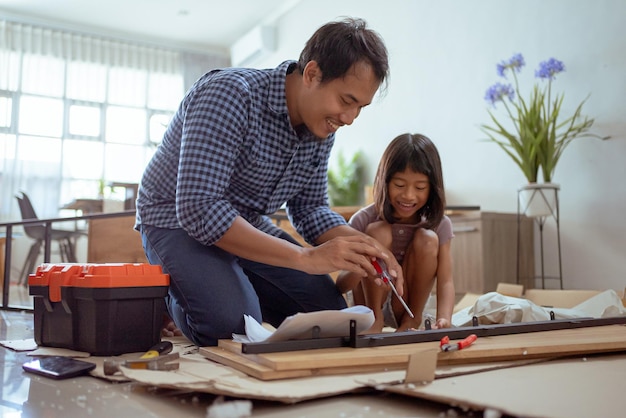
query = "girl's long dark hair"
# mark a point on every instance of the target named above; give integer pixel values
(418, 153)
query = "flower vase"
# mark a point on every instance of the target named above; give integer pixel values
(538, 199)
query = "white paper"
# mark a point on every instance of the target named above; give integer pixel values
(301, 326)
(28, 344)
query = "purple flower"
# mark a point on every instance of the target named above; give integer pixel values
(498, 91)
(548, 69)
(515, 63)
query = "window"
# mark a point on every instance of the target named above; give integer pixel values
(77, 111)
(5, 111)
(40, 116)
(84, 120)
(158, 125)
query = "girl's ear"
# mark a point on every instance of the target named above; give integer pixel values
(311, 73)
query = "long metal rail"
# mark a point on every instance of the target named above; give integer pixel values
(408, 337)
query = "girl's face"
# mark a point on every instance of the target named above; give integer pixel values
(408, 193)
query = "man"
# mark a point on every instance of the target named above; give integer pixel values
(242, 143)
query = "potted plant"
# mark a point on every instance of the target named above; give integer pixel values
(345, 180)
(538, 133)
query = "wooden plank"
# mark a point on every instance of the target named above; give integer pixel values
(243, 363)
(250, 367)
(233, 347)
(383, 357)
(547, 344)
(557, 343)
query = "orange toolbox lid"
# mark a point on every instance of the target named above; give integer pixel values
(96, 276)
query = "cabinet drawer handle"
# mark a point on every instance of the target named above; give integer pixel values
(464, 229)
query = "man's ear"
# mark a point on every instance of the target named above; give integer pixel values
(312, 73)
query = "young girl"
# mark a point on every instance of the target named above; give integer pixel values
(407, 217)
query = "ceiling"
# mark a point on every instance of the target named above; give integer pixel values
(193, 24)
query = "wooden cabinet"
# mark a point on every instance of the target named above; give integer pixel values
(113, 240)
(484, 250)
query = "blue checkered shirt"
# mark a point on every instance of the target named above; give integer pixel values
(230, 150)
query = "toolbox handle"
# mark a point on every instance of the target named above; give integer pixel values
(54, 287)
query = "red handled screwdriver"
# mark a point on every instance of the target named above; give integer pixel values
(381, 268)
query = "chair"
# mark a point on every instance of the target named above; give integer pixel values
(64, 238)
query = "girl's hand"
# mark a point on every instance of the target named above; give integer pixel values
(442, 323)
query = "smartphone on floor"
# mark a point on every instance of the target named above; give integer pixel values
(58, 367)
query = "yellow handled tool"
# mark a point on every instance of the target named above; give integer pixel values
(162, 362)
(164, 347)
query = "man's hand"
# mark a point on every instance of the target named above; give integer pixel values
(352, 253)
(396, 283)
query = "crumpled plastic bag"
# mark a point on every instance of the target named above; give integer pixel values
(495, 308)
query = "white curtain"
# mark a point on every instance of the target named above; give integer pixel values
(71, 46)
(40, 64)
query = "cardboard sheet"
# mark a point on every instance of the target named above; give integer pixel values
(199, 374)
(559, 298)
(421, 367)
(196, 373)
(579, 387)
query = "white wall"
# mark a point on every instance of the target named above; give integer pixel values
(443, 57)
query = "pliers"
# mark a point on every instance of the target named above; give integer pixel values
(466, 342)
